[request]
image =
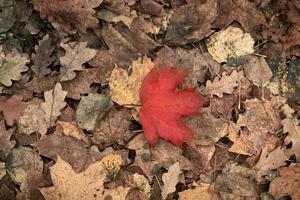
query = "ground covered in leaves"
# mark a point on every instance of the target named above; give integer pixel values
(70, 78)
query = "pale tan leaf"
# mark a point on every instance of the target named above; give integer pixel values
(170, 180)
(124, 89)
(54, 102)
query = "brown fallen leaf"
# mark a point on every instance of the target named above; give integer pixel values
(225, 84)
(71, 129)
(223, 106)
(88, 184)
(76, 55)
(66, 147)
(114, 128)
(54, 102)
(244, 12)
(43, 57)
(287, 182)
(69, 16)
(124, 46)
(191, 23)
(258, 71)
(12, 108)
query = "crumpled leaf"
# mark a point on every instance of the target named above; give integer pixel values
(87, 184)
(244, 12)
(7, 15)
(258, 71)
(124, 89)
(292, 127)
(124, 46)
(20, 165)
(76, 55)
(230, 44)
(11, 68)
(12, 108)
(2, 170)
(71, 129)
(191, 23)
(170, 180)
(5, 143)
(54, 102)
(32, 120)
(114, 128)
(163, 105)
(68, 148)
(91, 109)
(287, 183)
(226, 84)
(69, 14)
(43, 57)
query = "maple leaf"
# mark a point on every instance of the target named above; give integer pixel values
(163, 105)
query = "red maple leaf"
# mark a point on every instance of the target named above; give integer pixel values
(163, 105)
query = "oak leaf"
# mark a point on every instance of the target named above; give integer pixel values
(170, 180)
(163, 105)
(11, 68)
(69, 15)
(76, 55)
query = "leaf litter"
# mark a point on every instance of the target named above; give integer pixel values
(149, 99)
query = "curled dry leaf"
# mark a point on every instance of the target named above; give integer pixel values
(292, 127)
(5, 143)
(230, 44)
(124, 89)
(76, 55)
(226, 84)
(91, 109)
(65, 15)
(54, 102)
(11, 68)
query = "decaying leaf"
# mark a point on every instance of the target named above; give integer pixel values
(170, 180)
(76, 55)
(124, 89)
(5, 143)
(7, 15)
(191, 23)
(20, 165)
(68, 148)
(43, 57)
(54, 102)
(114, 128)
(258, 71)
(287, 183)
(32, 120)
(69, 185)
(226, 84)
(11, 68)
(91, 109)
(292, 127)
(12, 108)
(2, 170)
(230, 44)
(65, 15)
